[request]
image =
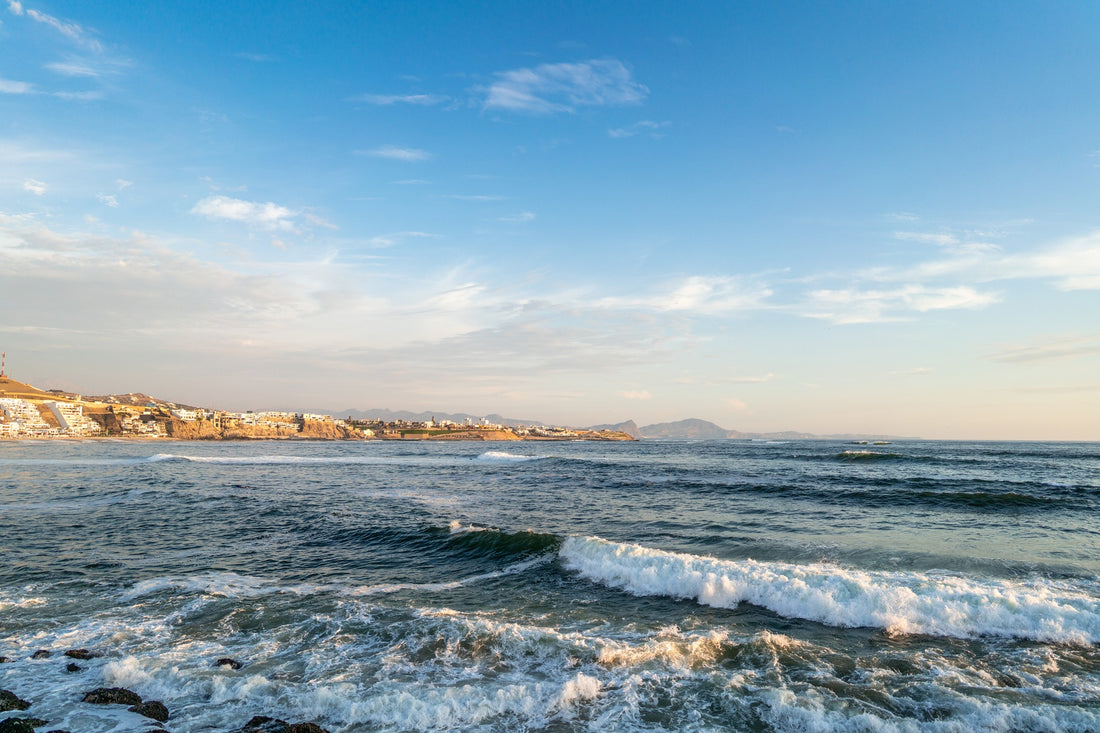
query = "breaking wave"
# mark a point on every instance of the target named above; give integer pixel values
(938, 604)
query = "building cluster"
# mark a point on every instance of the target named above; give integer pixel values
(22, 417)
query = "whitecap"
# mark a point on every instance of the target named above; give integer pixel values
(901, 602)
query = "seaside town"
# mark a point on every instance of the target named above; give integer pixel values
(29, 412)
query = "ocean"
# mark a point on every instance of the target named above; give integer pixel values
(649, 586)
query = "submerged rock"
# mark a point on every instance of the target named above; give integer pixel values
(82, 654)
(73, 667)
(41, 654)
(20, 725)
(154, 709)
(112, 696)
(11, 701)
(228, 662)
(264, 724)
(5, 660)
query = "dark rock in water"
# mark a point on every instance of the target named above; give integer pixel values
(151, 709)
(264, 724)
(112, 696)
(5, 660)
(227, 662)
(11, 701)
(41, 654)
(81, 654)
(73, 667)
(20, 725)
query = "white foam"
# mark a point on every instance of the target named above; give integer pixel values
(902, 602)
(505, 457)
(232, 585)
(578, 690)
(31, 602)
(458, 527)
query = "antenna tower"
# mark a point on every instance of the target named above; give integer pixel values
(3, 364)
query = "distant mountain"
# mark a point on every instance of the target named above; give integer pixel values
(690, 429)
(629, 427)
(695, 429)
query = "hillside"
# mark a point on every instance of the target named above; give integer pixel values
(629, 428)
(696, 429)
(690, 429)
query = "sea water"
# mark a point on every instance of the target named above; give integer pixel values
(650, 586)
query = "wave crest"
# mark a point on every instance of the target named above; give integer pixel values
(901, 602)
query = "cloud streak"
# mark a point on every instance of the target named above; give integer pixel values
(387, 100)
(392, 152)
(1066, 347)
(554, 88)
(647, 127)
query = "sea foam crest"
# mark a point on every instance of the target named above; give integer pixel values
(506, 457)
(902, 602)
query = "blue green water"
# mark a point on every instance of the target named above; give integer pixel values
(726, 585)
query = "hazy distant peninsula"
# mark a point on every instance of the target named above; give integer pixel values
(695, 429)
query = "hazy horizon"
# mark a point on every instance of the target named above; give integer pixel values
(875, 218)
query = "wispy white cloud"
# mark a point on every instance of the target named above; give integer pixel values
(752, 380)
(73, 68)
(15, 7)
(389, 240)
(551, 88)
(38, 188)
(522, 217)
(87, 96)
(261, 215)
(73, 31)
(698, 295)
(1053, 349)
(473, 197)
(854, 305)
(108, 199)
(260, 58)
(123, 184)
(15, 87)
(942, 240)
(946, 240)
(1073, 264)
(649, 127)
(640, 394)
(392, 152)
(386, 100)
(738, 405)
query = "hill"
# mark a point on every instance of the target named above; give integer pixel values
(695, 429)
(629, 427)
(690, 429)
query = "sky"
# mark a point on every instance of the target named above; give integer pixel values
(827, 217)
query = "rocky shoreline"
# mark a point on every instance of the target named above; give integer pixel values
(152, 713)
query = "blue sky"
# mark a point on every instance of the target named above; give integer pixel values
(865, 217)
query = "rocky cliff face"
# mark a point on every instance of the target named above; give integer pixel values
(326, 431)
(203, 430)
